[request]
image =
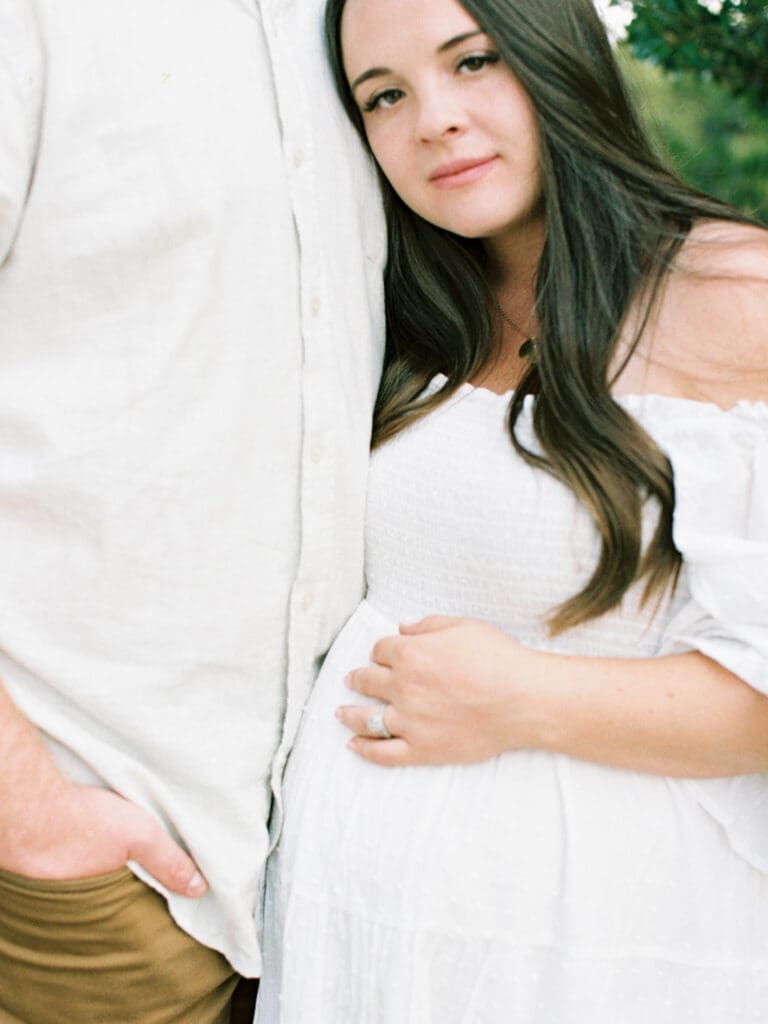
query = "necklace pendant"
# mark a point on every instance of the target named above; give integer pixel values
(528, 349)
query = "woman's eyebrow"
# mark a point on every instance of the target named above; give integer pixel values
(370, 73)
(377, 72)
(459, 39)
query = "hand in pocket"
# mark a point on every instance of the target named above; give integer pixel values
(84, 831)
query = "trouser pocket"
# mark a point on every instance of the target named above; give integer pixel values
(102, 950)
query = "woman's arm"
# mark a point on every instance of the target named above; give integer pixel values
(462, 691)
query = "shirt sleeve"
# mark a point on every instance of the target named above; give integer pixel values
(720, 465)
(21, 94)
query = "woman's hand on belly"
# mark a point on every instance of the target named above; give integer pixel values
(460, 691)
(457, 692)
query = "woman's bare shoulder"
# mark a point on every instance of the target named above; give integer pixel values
(721, 248)
(710, 330)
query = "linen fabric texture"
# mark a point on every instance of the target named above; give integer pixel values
(192, 326)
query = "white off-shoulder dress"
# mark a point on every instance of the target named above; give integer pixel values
(532, 888)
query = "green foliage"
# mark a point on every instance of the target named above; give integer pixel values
(728, 46)
(701, 79)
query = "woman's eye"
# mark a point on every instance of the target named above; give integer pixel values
(384, 100)
(477, 61)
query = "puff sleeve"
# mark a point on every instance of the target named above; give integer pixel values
(720, 464)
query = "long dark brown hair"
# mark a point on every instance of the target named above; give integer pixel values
(615, 219)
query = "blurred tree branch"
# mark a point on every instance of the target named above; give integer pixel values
(725, 42)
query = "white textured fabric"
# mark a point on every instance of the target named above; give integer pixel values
(531, 888)
(192, 322)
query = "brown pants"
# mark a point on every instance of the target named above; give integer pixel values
(103, 950)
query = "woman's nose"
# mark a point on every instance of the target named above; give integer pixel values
(439, 116)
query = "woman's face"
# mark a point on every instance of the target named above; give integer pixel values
(449, 124)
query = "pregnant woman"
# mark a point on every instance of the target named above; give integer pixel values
(541, 796)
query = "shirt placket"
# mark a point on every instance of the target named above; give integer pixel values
(318, 386)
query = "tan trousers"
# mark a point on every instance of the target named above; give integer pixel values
(103, 950)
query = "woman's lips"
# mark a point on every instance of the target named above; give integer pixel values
(461, 172)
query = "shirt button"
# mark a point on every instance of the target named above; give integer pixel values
(298, 157)
(317, 454)
(307, 600)
(315, 306)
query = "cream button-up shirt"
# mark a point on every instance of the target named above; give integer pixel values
(191, 332)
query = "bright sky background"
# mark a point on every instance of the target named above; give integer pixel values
(616, 17)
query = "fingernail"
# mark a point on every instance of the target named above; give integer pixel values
(338, 713)
(348, 679)
(196, 885)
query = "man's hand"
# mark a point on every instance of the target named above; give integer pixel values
(54, 829)
(458, 691)
(82, 831)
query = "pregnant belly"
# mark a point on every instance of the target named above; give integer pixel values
(528, 847)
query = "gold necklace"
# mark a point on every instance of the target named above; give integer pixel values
(530, 347)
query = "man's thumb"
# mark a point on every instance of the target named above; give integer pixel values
(169, 864)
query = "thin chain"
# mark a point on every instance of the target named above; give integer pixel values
(529, 347)
(511, 322)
